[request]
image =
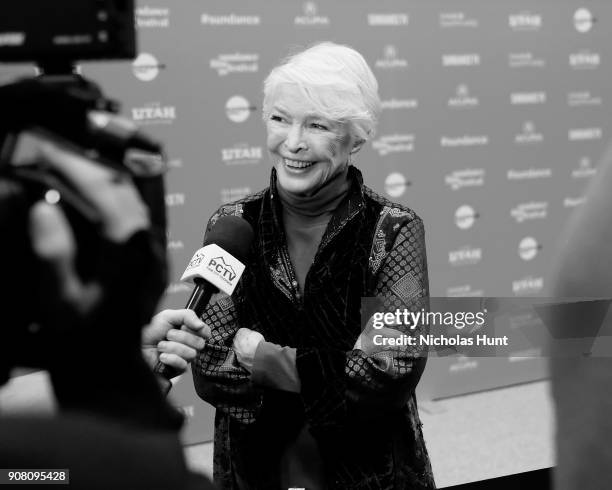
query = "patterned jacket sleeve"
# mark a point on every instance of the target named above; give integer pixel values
(337, 386)
(218, 377)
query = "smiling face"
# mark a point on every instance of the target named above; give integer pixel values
(306, 148)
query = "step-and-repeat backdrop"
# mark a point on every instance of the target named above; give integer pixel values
(493, 124)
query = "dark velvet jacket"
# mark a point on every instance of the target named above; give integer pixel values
(360, 408)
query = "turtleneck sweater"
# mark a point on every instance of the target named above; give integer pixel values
(305, 219)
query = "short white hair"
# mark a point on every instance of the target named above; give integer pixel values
(337, 80)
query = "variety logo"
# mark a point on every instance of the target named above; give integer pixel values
(395, 184)
(390, 59)
(394, 143)
(572, 202)
(462, 98)
(527, 98)
(397, 104)
(584, 98)
(585, 169)
(468, 59)
(311, 17)
(583, 20)
(463, 141)
(12, 38)
(527, 286)
(465, 217)
(230, 20)
(457, 19)
(238, 109)
(525, 21)
(154, 113)
(529, 211)
(146, 68)
(529, 135)
(469, 177)
(226, 64)
(584, 60)
(152, 17)
(584, 134)
(465, 256)
(400, 19)
(529, 174)
(242, 154)
(234, 193)
(464, 291)
(175, 199)
(525, 60)
(528, 248)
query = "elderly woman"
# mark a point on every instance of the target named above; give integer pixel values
(303, 398)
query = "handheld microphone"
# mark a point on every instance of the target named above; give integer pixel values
(217, 266)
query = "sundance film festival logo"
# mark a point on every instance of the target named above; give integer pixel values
(525, 60)
(529, 211)
(528, 248)
(152, 17)
(390, 59)
(465, 256)
(584, 170)
(469, 177)
(464, 141)
(583, 98)
(527, 286)
(387, 20)
(464, 291)
(462, 98)
(154, 113)
(230, 20)
(394, 143)
(311, 17)
(529, 174)
(583, 20)
(238, 109)
(458, 60)
(450, 20)
(146, 67)
(528, 135)
(234, 194)
(396, 184)
(527, 98)
(226, 64)
(525, 21)
(242, 154)
(465, 217)
(584, 60)
(399, 104)
(584, 134)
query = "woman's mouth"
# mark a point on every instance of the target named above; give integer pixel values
(297, 164)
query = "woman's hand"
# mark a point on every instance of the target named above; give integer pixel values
(174, 337)
(245, 345)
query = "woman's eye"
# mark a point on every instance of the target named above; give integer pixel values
(319, 126)
(275, 117)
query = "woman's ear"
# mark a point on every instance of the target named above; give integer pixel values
(357, 145)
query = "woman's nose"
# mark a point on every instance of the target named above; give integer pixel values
(295, 139)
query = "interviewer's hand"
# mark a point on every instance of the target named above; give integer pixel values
(174, 337)
(245, 345)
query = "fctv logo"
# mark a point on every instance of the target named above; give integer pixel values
(220, 267)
